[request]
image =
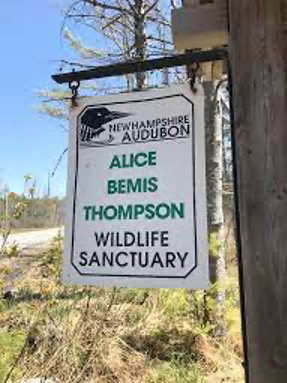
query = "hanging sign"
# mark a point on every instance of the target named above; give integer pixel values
(136, 196)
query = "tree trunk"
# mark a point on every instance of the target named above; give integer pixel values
(214, 185)
(259, 67)
(214, 175)
(140, 42)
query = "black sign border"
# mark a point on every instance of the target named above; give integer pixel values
(194, 192)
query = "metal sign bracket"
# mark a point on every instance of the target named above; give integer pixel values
(123, 68)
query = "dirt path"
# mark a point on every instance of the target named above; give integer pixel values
(36, 238)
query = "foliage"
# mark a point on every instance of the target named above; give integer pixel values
(26, 211)
(52, 259)
(11, 250)
(7, 217)
(213, 245)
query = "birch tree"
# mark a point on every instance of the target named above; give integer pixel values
(214, 181)
(214, 184)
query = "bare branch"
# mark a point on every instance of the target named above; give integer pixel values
(163, 41)
(158, 21)
(71, 63)
(96, 3)
(81, 16)
(150, 7)
(117, 20)
(131, 6)
(58, 162)
(111, 22)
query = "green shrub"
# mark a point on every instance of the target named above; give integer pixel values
(176, 372)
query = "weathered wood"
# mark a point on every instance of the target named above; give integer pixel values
(259, 64)
(201, 25)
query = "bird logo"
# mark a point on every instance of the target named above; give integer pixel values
(92, 122)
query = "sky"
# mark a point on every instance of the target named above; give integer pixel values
(31, 143)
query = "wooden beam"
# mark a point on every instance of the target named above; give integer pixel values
(200, 26)
(258, 49)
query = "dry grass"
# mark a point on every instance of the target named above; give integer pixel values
(98, 335)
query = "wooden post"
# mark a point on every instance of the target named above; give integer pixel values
(258, 47)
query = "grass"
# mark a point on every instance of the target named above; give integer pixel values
(175, 372)
(100, 335)
(11, 343)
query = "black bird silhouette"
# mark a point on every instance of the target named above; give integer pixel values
(92, 121)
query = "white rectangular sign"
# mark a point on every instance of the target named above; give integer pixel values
(136, 194)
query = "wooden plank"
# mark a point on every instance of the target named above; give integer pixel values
(258, 47)
(200, 26)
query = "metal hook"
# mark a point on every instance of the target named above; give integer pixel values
(74, 86)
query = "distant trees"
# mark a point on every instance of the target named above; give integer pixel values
(27, 210)
(39, 211)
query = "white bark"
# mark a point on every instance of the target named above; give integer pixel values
(214, 171)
